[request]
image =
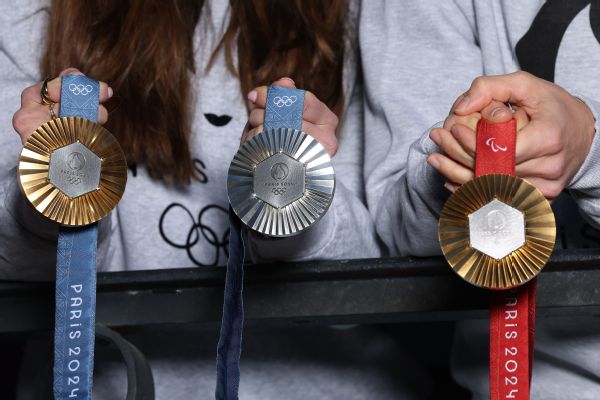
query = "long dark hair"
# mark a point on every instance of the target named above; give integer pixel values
(144, 50)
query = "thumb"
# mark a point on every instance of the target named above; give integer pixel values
(497, 112)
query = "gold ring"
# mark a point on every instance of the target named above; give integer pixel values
(52, 114)
(44, 92)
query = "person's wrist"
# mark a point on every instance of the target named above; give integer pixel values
(589, 121)
(588, 130)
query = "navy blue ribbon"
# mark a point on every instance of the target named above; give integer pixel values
(229, 348)
(284, 109)
(76, 272)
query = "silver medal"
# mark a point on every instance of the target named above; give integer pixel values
(281, 182)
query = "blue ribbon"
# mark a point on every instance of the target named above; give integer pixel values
(76, 272)
(284, 109)
(229, 348)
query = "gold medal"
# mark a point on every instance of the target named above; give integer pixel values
(497, 231)
(73, 171)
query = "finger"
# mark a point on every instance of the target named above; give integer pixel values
(466, 138)
(453, 171)
(521, 117)
(470, 120)
(537, 139)
(451, 186)
(450, 147)
(256, 117)
(244, 137)
(549, 188)
(514, 88)
(317, 112)
(251, 133)
(325, 136)
(552, 168)
(257, 97)
(497, 112)
(70, 71)
(54, 88)
(102, 115)
(456, 102)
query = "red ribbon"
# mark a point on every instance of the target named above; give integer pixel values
(512, 312)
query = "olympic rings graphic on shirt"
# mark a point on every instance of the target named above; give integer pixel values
(198, 233)
(80, 89)
(286, 101)
(279, 191)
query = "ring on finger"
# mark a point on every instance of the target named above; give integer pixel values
(44, 92)
(52, 114)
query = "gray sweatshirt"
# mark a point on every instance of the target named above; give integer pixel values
(156, 226)
(418, 56)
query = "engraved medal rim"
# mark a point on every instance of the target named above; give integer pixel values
(49, 200)
(260, 148)
(521, 265)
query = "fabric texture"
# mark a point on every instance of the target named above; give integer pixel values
(157, 226)
(188, 226)
(418, 56)
(229, 347)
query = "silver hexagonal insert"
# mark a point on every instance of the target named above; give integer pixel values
(496, 229)
(74, 170)
(279, 180)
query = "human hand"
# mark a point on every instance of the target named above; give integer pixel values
(457, 141)
(317, 119)
(555, 130)
(33, 113)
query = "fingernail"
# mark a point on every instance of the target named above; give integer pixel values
(496, 112)
(435, 136)
(110, 92)
(450, 187)
(463, 103)
(252, 96)
(285, 78)
(433, 162)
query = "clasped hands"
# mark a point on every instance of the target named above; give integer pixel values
(555, 130)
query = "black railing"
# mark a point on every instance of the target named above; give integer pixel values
(330, 292)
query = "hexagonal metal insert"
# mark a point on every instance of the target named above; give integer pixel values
(497, 229)
(74, 170)
(279, 180)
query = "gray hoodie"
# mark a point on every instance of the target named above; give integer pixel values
(156, 226)
(418, 56)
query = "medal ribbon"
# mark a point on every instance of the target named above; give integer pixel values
(512, 312)
(76, 272)
(283, 109)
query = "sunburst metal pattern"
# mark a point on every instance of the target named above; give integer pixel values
(49, 200)
(520, 265)
(299, 214)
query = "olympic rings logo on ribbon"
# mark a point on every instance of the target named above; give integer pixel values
(281, 101)
(80, 89)
(279, 191)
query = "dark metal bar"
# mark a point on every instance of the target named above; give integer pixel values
(330, 292)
